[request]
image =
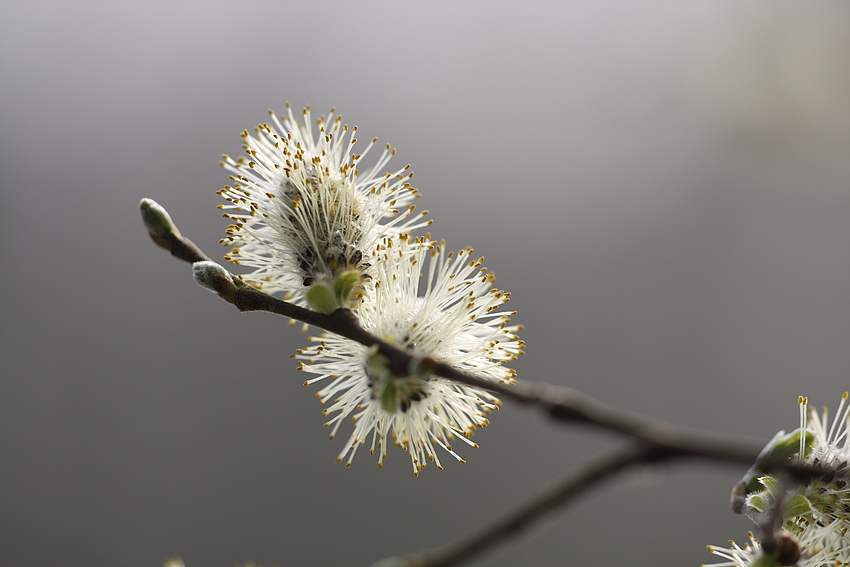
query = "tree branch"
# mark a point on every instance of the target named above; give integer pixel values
(560, 403)
(549, 501)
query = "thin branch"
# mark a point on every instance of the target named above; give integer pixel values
(560, 403)
(547, 502)
(180, 247)
(515, 523)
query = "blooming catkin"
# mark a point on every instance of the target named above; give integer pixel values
(303, 213)
(449, 312)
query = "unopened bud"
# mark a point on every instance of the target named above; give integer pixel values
(344, 286)
(156, 218)
(215, 278)
(383, 383)
(778, 450)
(322, 299)
(765, 560)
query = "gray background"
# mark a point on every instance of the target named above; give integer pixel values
(664, 188)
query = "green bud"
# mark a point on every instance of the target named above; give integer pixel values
(213, 277)
(389, 396)
(758, 502)
(322, 299)
(765, 560)
(787, 446)
(779, 449)
(384, 383)
(797, 505)
(344, 286)
(156, 218)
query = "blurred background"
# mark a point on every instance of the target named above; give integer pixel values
(664, 187)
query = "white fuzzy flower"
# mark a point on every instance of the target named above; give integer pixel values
(790, 551)
(831, 445)
(449, 314)
(816, 514)
(302, 211)
(825, 501)
(737, 556)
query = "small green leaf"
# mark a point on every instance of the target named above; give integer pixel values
(321, 299)
(781, 448)
(770, 484)
(797, 505)
(764, 560)
(758, 502)
(344, 286)
(787, 446)
(389, 397)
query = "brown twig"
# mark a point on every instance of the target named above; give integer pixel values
(549, 501)
(560, 403)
